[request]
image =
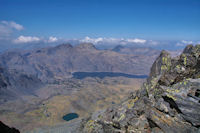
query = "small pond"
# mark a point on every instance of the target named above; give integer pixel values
(70, 116)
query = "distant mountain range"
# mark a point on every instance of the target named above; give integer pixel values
(136, 51)
(23, 72)
(60, 62)
(142, 51)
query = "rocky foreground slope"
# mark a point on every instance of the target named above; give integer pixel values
(168, 102)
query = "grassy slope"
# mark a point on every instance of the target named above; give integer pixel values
(94, 95)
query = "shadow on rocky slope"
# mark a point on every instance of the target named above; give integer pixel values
(5, 129)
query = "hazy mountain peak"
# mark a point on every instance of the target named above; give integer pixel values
(118, 48)
(86, 46)
(64, 46)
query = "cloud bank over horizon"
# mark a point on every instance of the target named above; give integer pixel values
(9, 38)
(121, 41)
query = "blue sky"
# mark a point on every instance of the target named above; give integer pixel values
(145, 19)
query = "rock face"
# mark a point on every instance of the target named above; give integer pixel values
(169, 101)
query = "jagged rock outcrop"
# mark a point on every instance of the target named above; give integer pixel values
(169, 101)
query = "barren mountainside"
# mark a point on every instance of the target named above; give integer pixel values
(13, 84)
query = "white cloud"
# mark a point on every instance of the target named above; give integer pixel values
(184, 43)
(92, 40)
(52, 39)
(26, 39)
(180, 44)
(121, 41)
(7, 28)
(136, 40)
(187, 42)
(12, 24)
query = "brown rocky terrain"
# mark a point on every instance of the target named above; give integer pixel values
(53, 101)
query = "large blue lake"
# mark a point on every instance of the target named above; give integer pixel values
(82, 75)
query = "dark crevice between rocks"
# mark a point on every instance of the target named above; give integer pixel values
(113, 117)
(126, 129)
(152, 124)
(197, 94)
(161, 82)
(179, 78)
(185, 118)
(198, 126)
(162, 111)
(140, 112)
(194, 97)
(172, 103)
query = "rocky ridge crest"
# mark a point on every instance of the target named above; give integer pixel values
(168, 102)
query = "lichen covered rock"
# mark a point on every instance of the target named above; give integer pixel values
(168, 102)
